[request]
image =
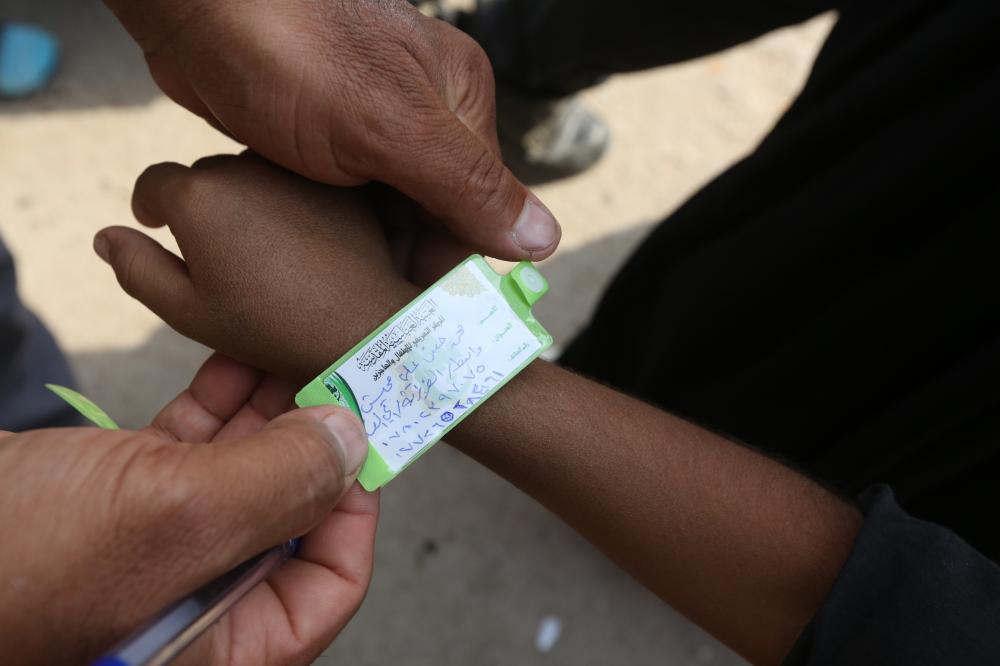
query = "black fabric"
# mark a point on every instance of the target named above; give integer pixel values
(555, 47)
(902, 568)
(29, 358)
(834, 298)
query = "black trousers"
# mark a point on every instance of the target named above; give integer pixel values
(834, 298)
(29, 358)
(557, 47)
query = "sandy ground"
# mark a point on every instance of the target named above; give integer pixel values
(466, 566)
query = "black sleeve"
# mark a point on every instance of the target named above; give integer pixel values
(911, 593)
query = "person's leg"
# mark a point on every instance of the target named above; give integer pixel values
(545, 51)
(552, 48)
(29, 359)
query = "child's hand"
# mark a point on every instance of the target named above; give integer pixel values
(279, 272)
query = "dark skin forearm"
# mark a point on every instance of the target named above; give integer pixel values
(738, 543)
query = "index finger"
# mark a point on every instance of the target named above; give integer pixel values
(272, 397)
(218, 391)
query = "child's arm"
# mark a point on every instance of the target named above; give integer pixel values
(288, 275)
(741, 545)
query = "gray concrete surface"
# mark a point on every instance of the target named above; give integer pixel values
(466, 566)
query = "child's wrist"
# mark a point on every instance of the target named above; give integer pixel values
(434, 361)
(343, 332)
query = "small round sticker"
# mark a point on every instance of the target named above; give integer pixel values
(532, 279)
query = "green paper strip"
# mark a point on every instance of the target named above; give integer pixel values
(85, 406)
(432, 363)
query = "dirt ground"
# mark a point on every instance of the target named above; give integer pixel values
(466, 566)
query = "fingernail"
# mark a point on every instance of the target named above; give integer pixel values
(102, 247)
(536, 228)
(350, 436)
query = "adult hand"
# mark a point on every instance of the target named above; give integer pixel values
(346, 92)
(107, 527)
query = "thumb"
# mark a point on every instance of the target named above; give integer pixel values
(280, 482)
(460, 179)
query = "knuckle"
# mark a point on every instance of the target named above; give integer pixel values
(187, 189)
(322, 466)
(364, 137)
(483, 184)
(356, 156)
(132, 269)
(179, 501)
(163, 190)
(213, 161)
(190, 321)
(154, 498)
(471, 65)
(154, 177)
(474, 57)
(475, 103)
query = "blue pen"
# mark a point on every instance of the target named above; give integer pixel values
(165, 636)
